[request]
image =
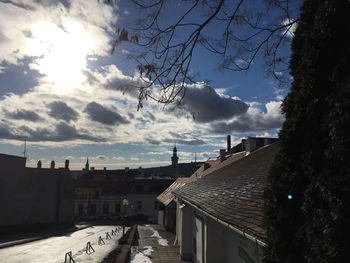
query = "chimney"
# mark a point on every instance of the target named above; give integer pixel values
(250, 144)
(126, 169)
(39, 165)
(66, 164)
(52, 165)
(206, 166)
(228, 142)
(222, 154)
(104, 169)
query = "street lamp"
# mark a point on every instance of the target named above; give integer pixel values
(125, 205)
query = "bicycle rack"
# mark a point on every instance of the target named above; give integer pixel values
(100, 241)
(89, 248)
(108, 236)
(69, 257)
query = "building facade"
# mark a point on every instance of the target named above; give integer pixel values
(110, 197)
(219, 217)
(31, 196)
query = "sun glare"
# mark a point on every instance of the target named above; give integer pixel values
(64, 53)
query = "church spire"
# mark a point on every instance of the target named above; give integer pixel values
(174, 158)
(87, 164)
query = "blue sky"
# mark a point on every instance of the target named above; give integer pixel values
(62, 89)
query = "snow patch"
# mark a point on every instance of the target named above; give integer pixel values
(161, 241)
(143, 256)
(53, 249)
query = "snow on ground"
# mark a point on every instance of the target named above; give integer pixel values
(53, 250)
(161, 241)
(143, 256)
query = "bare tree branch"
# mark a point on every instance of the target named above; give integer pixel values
(167, 48)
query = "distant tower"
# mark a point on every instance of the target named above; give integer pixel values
(87, 164)
(52, 165)
(174, 158)
(39, 164)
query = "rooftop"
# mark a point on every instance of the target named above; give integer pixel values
(233, 192)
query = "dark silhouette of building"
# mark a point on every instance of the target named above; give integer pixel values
(32, 196)
(174, 158)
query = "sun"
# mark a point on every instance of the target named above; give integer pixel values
(64, 54)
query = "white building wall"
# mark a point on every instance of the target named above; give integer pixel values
(226, 246)
(148, 206)
(219, 244)
(186, 246)
(161, 217)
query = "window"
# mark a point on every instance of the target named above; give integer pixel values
(80, 209)
(105, 208)
(139, 205)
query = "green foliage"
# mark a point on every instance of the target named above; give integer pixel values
(313, 164)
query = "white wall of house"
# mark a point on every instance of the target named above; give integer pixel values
(204, 240)
(145, 204)
(160, 220)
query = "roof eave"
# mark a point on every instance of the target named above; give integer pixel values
(238, 231)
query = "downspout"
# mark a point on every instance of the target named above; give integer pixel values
(240, 232)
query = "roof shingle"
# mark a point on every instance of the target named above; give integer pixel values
(233, 192)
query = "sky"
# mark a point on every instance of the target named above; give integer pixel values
(62, 89)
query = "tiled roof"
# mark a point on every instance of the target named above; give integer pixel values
(167, 196)
(181, 169)
(233, 193)
(124, 185)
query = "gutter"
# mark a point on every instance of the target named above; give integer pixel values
(240, 232)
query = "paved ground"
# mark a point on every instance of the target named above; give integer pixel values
(53, 249)
(20, 237)
(155, 245)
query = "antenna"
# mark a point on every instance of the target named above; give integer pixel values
(25, 147)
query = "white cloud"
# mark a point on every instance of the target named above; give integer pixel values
(51, 33)
(202, 101)
(99, 157)
(119, 158)
(254, 120)
(291, 29)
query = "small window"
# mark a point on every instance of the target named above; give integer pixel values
(105, 208)
(139, 205)
(80, 209)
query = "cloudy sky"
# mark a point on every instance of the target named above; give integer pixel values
(62, 89)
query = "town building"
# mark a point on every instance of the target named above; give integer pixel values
(217, 212)
(167, 208)
(219, 217)
(34, 196)
(100, 193)
(104, 197)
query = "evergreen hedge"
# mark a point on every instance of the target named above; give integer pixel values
(307, 199)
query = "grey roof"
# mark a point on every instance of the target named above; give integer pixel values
(167, 196)
(234, 193)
